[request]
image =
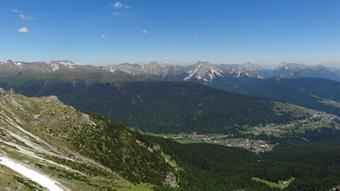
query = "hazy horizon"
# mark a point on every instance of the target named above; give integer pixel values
(335, 65)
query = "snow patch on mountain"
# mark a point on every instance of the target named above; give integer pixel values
(132, 69)
(67, 64)
(204, 71)
(18, 64)
(242, 70)
(31, 174)
(149, 69)
(57, 65)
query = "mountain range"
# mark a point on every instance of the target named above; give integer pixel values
(159, 106)
(201, 71)
(314, 87)
(207, 72)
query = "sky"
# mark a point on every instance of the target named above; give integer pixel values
(177, 31)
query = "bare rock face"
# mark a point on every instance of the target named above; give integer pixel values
(2, 92)
(52, 98)
(204, 71)
(335, 188)
(171, 180)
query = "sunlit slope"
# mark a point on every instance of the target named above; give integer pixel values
(77, 151)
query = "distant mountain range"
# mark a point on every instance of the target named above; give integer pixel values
(157, 105)
(201, 71)
(207, 72)
(316, 87)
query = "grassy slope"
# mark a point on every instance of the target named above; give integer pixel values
(110, 144)
(280, 185)
(57, 161)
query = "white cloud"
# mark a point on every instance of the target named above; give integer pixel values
(120, 9)
(103, 36)
(26, 17)
(22, 15)
(119, 5)
(23, 30)
(144, 31)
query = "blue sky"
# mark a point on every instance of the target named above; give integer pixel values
(181, 31)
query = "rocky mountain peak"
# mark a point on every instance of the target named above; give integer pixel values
(204, 71)
(62, 64)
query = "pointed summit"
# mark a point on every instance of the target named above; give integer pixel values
(204, 71)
